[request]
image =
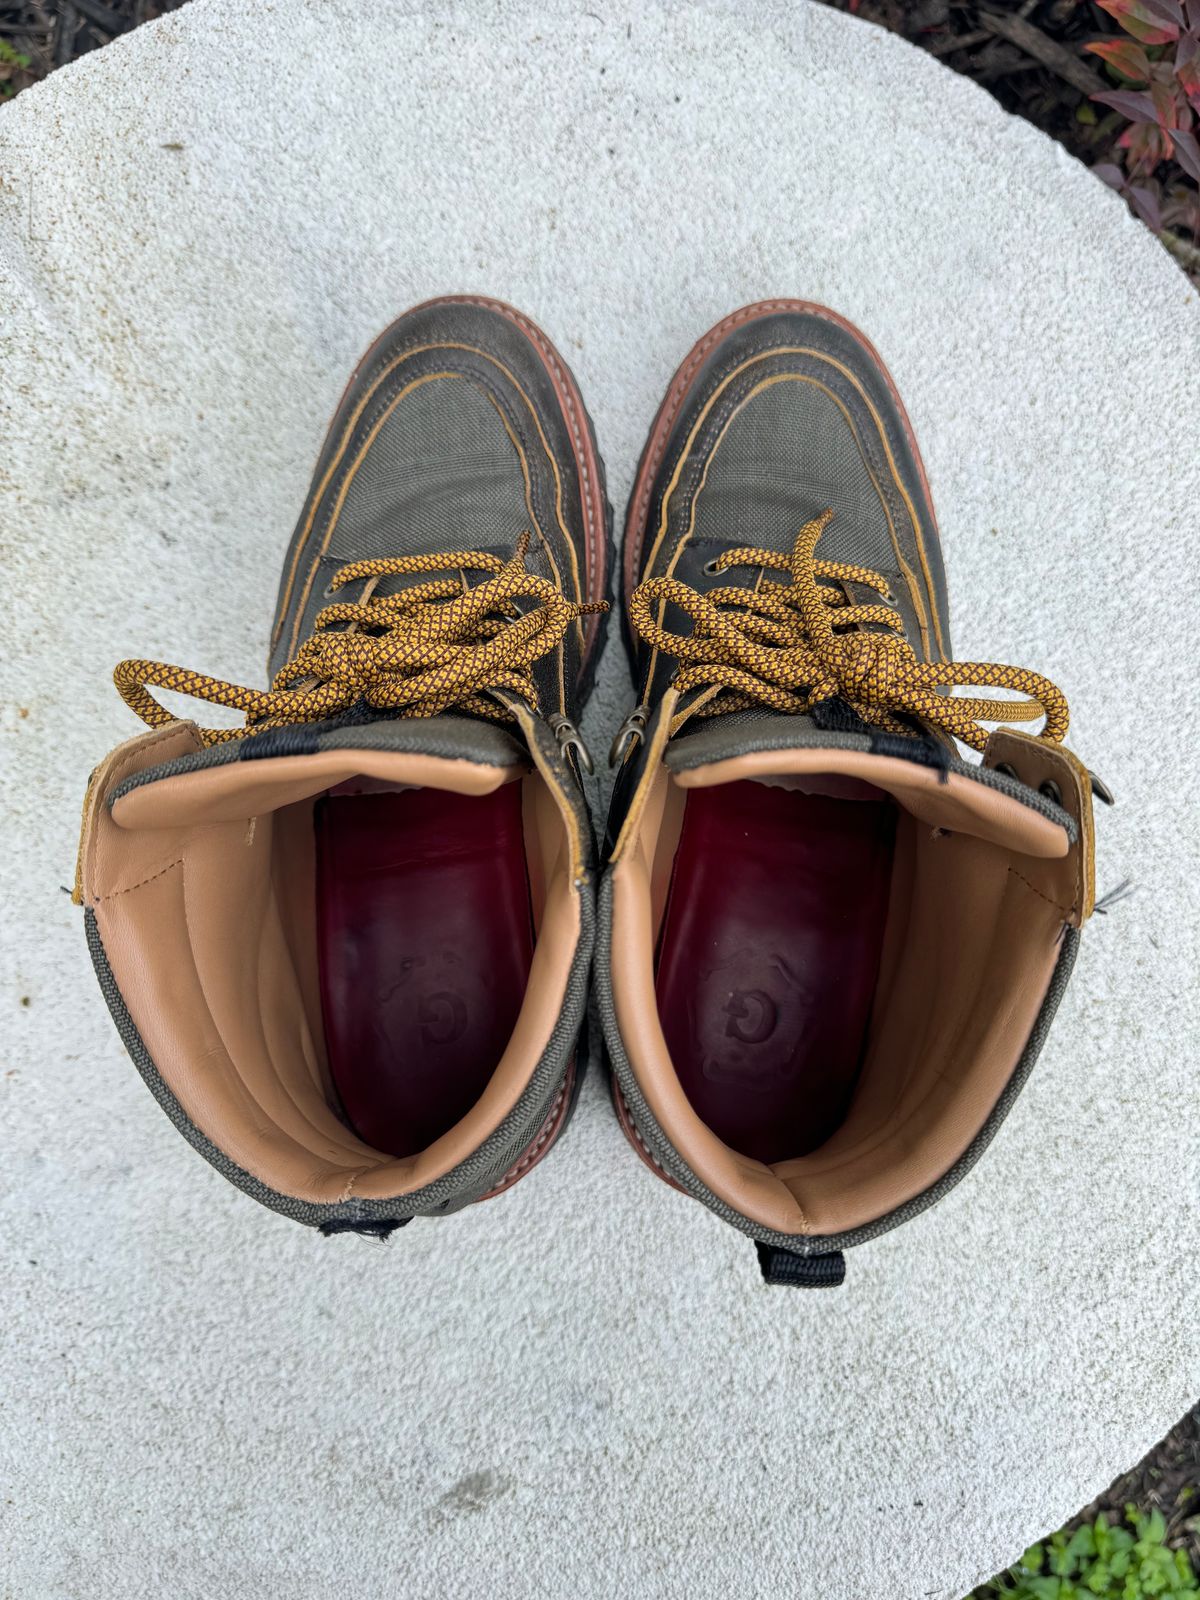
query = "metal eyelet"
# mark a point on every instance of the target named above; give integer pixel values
(1049, 790)
(569, 738)
(1007, 770)
(629, 735)
(710, 569)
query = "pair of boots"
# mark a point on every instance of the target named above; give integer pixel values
(348, 945)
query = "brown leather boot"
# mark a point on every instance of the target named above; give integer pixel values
(347, 945)
(829, 946)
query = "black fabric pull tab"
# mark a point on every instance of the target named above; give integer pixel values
(369, 1227)
(802, 1272)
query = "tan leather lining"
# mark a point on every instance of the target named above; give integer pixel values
(981, 887)
(293, 865)
(970, 973)
(578, 848)
(206, 909)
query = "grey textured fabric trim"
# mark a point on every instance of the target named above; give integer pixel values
(676, 1167)
(464, 1183)
(464, 738)
(720, 738)
(456, 738)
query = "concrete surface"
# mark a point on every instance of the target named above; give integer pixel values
(582, 1388)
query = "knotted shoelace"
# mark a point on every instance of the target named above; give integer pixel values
(786, 645)
(421, 651)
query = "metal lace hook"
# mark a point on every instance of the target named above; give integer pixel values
(570, 738)
(629, 735)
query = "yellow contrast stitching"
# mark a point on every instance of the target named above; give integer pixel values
(804, 350)
(336, 461)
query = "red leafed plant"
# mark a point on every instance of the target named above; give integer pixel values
(1158, 70)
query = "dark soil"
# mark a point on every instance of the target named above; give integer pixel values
(50, 33)
(1167, 1480)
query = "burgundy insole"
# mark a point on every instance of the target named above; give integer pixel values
(768, 959)
(424, 942)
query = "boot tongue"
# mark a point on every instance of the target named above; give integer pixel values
(737, 733)
(450, 735)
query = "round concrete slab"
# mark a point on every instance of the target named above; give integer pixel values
(582, 1388)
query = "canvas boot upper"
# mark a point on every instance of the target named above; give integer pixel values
(347, 944)
(830, 945)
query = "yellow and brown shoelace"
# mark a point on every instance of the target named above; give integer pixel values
(415, 653)
(791, 645)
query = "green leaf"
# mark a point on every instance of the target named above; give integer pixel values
(11, 56)
(1101, 1561)
(1082, 1543)
(1044, 1589)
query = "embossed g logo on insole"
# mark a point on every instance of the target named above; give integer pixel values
(751, 1016)
(442, 1016)
(752, 1012)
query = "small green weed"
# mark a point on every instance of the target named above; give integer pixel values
(1099, 1562)
(11, 62)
